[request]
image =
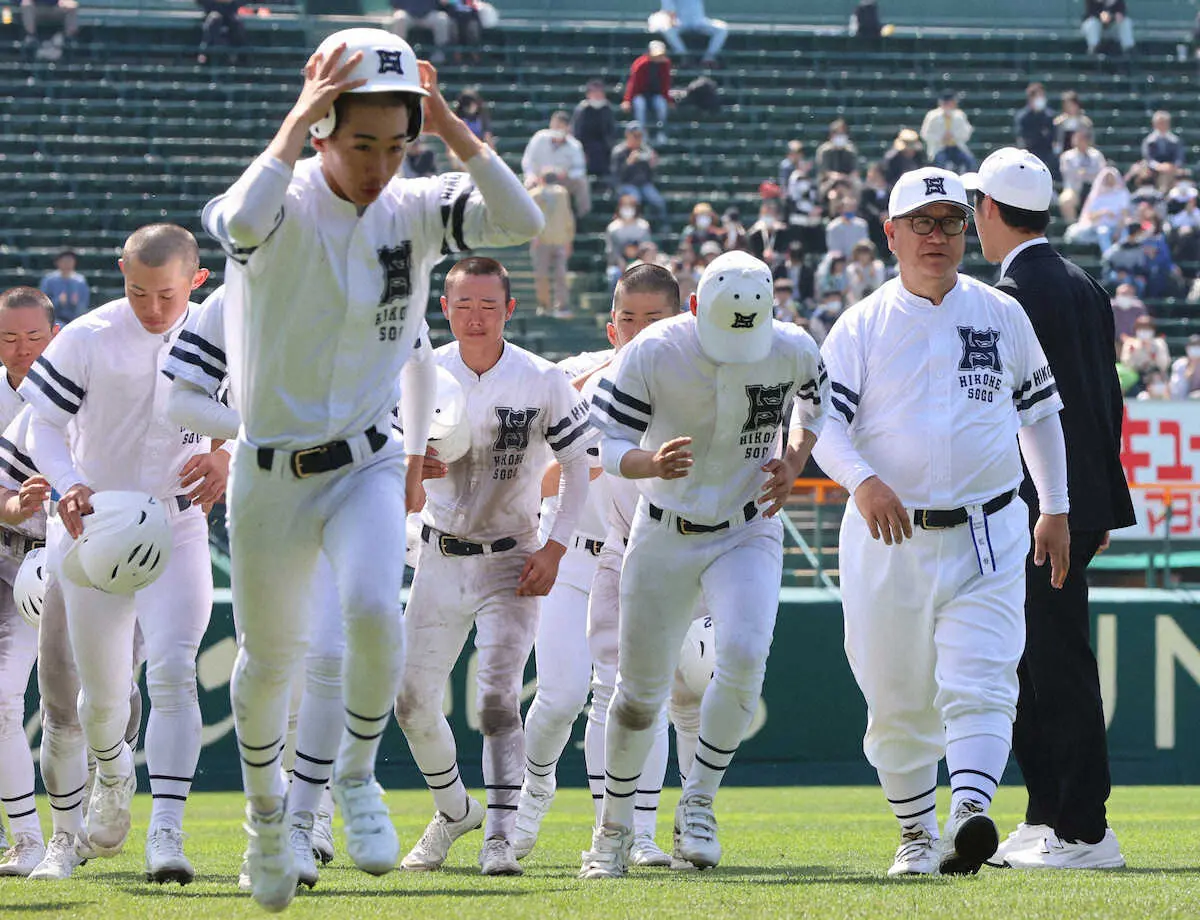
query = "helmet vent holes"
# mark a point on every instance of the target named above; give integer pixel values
(142, 519)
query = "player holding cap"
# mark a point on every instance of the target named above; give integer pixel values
(1059, 735)
(693, 411)
(931, 378)
(326, 284)
(101, 377)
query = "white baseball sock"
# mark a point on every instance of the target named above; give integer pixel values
(913, 798)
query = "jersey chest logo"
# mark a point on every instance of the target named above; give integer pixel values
(396, 262)
(980, 349)
(766, 406)
(515, 425)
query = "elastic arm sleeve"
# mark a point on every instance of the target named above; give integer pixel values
(511, 216)
(190, 407)
(1045, 454)
(572, 496)
(52, 454)
(246, 215)
(612, 451)
(838, 458)
(418, 396)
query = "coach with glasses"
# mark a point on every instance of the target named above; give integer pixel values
(1059, 736)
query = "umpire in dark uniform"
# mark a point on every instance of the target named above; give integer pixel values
(1059, 735)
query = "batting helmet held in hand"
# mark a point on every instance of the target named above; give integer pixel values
(29, 587)
(125, 545)
(450, 432)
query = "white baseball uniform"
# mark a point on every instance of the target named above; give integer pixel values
(324, 307)
(701, 535)
(929, 398)
(480, 526)
(102, 376)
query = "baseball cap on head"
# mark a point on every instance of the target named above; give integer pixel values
(1014, 177)
(928, 185)
(734, 305)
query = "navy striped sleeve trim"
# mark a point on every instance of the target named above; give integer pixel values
(203, 344)
(617, 415)
(51, 392)
(1035, 398)
(569, 438)
(241, 254)
(454, 213)
(18, 475)
(16, 453)
(846, 411)
(845, 391)
(624, 398)
(188, 357)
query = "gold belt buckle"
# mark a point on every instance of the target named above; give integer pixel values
(443, 539)
(298, 458)
(685, 527)
(924, 522)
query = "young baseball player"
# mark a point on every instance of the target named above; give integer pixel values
(694, 410)
(101, 376)
(26, 328)
(325, 291)
(935, 378)
(481, 564)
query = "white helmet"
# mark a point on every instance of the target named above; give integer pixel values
(388, 65)
(412, 539)
(450, 431)
(698, 658)
(734, 309)
(29, 587)
(125, 545)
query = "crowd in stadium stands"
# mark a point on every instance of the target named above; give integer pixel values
(451, 22)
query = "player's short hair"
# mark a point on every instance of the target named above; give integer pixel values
(561, 115)
(154, 245)
(1018, 218)
(479, 266)
(21, 298)
(343, 104)
(647, 278)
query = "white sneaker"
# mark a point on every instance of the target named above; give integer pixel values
(609, 855)
(1054, 853)
(696, 831)
(165, 859)
(645, 852)
(322, 832)
(1024, 837)
(244, 883)
(23, 856)
(108, 813)
(61, 859)
(371, 837)
(497, 858)
(269, 863)
(917, 854)
(434, 846)
(300, 838)
(969, 839)
(531, 809)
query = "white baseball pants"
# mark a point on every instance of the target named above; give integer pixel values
(18, 652)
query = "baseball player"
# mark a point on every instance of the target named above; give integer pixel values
(101, 376)
(566, 647)
(931, 377)
(481, 564)
(325, 290)
(708, 388)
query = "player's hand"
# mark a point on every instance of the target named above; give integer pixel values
(673, 460)
(32, 495)
(778, 487)
(1105, 543)
(205, 475)
(325, 78)
(881, 509)
(414, 487)
(432, 467)
(541, 571)
(1052, 538)
(437, 110)
(73, 506)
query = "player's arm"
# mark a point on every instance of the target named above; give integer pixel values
(806, 421)
(190, 406)
(552, 478)
(22, 489)
(418, 397)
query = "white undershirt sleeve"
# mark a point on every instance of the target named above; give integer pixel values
(246, 215)
(51, 453)
(510, 215)
(612, 451)
(418, 396)
(838, 458)
(572, 496)
(190, 407)
(1045, 454)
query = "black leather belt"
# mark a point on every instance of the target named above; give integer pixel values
(688, 528)
(19, 543)
(324, 458)
(452, 546)
(182, 502)
(587, 544)
(940, 520)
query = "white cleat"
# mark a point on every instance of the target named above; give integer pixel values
(969, 839)
(300, 837)
(165, 859)
(696, 831)
(62, 858)
(23, 856)
(496, 858)
(243, 882)
(108, 813)
(269, 863)
(645, 852)
(371, 839)
(322, 832)
(531, 809)
(434, 846)
(609, 855)
(1054, 853)
(918, 854)
(1024, 837)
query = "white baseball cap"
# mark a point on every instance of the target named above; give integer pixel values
(1014, 177)
(734, 309)
(928, 185)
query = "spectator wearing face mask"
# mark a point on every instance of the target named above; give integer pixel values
(1034, 126)
(786, 308)
(732, 231)
(594, 125)
(1155, 387)
(945, 132)
(846, 229)
(1127, 310)
(864, 273)
(628, 228)
(554, 148)
(1147, 352)
(708, 251)
(1080, 167)
(830, 307)
(768, 236)
(1105, 211)
(1069, 120)
(1185, 372)
(1163, 277)
(795, 154)
(1125, 261)
(648, 89)
(701, 229)
(796, 269)
(838, 154)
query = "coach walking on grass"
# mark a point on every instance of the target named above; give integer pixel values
(1059, 734)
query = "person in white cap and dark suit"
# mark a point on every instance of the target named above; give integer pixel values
(933, 380)
(1059, 735)
(693, 410)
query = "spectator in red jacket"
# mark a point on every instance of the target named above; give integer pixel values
(648, 88)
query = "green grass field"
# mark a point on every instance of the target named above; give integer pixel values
(795, 852)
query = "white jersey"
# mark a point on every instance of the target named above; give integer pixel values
(198, 355)
(104, 373)
(931, 397)
(321, 317)
(16, 466)
(663, 386)
(517, 409)
(10, 402)
(592, 523)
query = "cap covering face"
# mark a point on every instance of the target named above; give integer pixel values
(734, 302)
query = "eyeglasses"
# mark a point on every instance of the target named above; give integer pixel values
(923, 225)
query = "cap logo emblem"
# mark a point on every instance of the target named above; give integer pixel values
(935, 185)
(743, 320)
(390, 61)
